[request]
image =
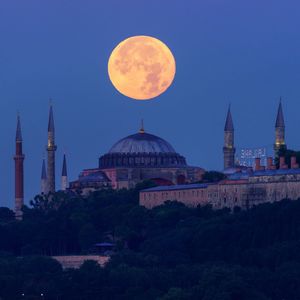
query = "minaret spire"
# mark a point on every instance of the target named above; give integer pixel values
(44, 183)
(18, 131)
(64, 175)
(229, 122)
(280, 118)
(51, 148)
(279, 130)
(142, 130)
(229, 149)
(19, 171)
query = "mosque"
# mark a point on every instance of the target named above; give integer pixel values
(135, 158)
(144, 156)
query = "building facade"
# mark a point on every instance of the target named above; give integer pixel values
(244, 189)
(135, 158)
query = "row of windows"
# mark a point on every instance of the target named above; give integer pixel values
(141, 160)
(174, 194)
(179, 194)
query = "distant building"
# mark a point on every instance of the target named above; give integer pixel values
(135, 158)
(244, 187)
(144, 156)
(76, 261)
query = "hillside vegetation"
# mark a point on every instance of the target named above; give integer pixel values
(169, 252)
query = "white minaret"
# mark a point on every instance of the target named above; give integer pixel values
(44, 182)
(64, 175)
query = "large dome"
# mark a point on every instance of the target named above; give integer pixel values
(141, 150)
(142, 143)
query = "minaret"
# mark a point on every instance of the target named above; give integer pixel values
(142, 129)
(279, 131)
(64, 175)
(44, 183)
(19, 172)
(228, 149)
(51, 148)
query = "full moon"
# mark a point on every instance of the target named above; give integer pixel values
(141, 67)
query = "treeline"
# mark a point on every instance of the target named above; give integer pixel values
(169, 252)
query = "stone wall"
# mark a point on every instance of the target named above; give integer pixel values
(75, 261)
(228, 193)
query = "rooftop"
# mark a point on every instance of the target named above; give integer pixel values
(246, 175)
(142, 142)
(177, 187)
(276, 172)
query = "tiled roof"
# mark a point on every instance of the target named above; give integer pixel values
(177, 187)
(244, 175)
(98, 176)
(276, 172)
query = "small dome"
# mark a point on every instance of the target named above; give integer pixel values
(98, 176)
(142, 143)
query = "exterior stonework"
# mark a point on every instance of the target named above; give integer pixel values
(119, 178)
(133, 159)
(240, 190)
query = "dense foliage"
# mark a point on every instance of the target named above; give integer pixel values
(170, 252)
(212, 176)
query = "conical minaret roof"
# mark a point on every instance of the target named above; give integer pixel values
(64, 168)
(18, 131)
(279, 119)
(229, 122)
(51, 120)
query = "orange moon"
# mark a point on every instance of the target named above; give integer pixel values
(141, 67)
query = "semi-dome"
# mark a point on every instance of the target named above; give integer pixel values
(140, 150)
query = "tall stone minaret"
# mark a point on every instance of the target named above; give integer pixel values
(228, 149)
(44, 182)
(64, 175)
(279, 131)
(19, 172)
(51, 148)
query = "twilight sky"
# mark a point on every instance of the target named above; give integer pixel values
(243, 52)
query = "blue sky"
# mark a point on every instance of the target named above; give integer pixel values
(243, 52)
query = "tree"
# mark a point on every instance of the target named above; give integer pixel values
(213, 176)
